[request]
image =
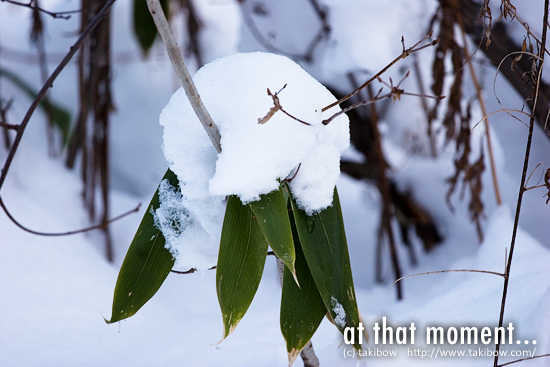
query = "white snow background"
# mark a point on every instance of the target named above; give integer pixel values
(55, 291)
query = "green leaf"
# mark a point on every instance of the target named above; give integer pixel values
(302, 308)
(144, 26)
(323, 241)
(60, 116)
(272, 215)
(241, 260)
(146, 265)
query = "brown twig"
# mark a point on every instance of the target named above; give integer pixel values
(523, 359)
(5, 125)
(449, 271)
(56, 15)
(74, 48)
(194, 270)
(481, 101)
(394, 94)
(404, 54)
(68, 233)
(277, 107)
(525, 166)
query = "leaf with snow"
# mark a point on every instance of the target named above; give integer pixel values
(323, 241)
(147, 263)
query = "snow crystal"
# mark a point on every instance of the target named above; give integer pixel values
(340, 319)
(181, 229)
(255, 157)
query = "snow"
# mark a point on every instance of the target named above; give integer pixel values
(56, 290)
(255, 157)
(340, 319)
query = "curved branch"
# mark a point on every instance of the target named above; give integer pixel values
(42, 93)
(68, 233)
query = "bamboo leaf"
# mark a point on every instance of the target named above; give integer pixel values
(146, 265)
(302, 308)
(272, 215)
(144, 26)
(323, 241)
(241, 260)
(60, 116)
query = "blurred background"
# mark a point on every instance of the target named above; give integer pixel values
(428, 184)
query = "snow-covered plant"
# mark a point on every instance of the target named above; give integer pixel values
(278, 169)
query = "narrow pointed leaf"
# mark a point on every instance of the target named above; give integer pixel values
(59, 115)
(144, 26)
(146, 265)
(323, 242)
(241, 260)
(271, 213)
(302, 308)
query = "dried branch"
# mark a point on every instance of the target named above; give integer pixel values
(5, 125)
(32, 5)
(181, 70)
(48, 84)
(523, 359)
(404, 54)
(481, 101)
(68, 233)
(507, 110)
(394, 94)
(194, 270)
(277, 107)
(449, 271)
(525, 166)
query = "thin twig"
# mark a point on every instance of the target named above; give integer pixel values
(5, 125)
(181, 70)
(404, 54)
(67, 233)
(449, 271)
(277, 107)
(524, 173)
(394, 94)
(507, 110)
(481, 101)
(74, 49)
(523, 359)
(194, 270)
(56, 15)
(495, 81)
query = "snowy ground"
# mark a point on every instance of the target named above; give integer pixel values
(56, 290)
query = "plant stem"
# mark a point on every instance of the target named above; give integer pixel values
(42, 93)
(482, 106)
(524, 173)
(181, 70)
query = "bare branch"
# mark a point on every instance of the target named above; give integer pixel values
(48, 84)
(525, 166)
(449, 271)
(31, 5)
(9, 126)
(194, 270)
(277, 107)
(68, 233)
(183, 74)
(404, 54)
(523, 359)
